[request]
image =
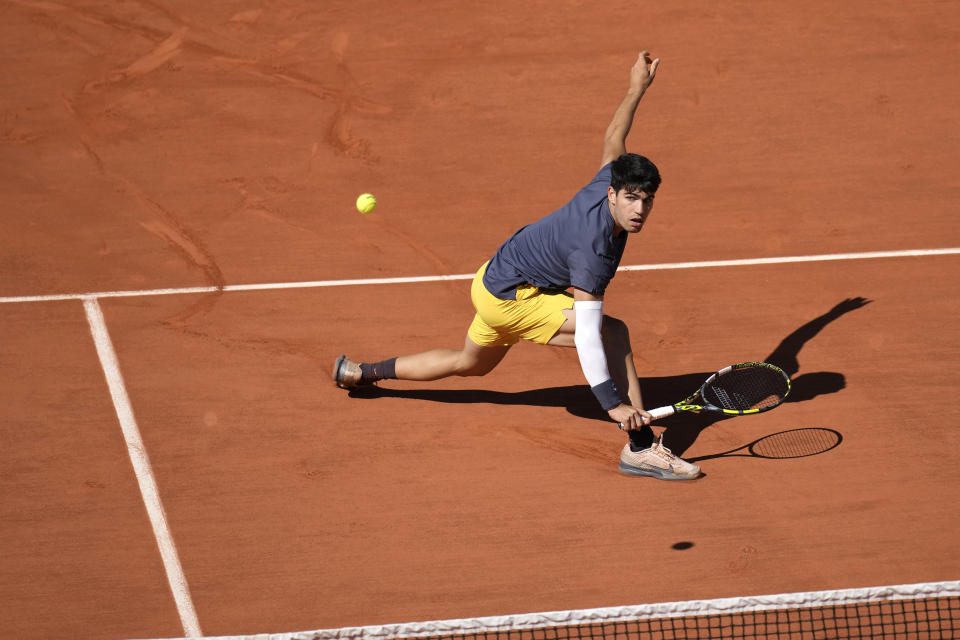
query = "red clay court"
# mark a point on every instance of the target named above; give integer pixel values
(181, 262)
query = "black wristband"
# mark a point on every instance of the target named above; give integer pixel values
(607, 394)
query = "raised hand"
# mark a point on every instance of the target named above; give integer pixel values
(643, 71)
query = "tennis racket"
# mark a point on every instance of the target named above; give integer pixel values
(748, 387)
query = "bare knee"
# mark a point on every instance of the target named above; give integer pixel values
(467, 367)
(479, 361)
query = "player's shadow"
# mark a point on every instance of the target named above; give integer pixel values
(681, 430)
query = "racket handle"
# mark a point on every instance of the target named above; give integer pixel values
(661, 412)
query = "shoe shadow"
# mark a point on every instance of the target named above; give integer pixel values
(680, 430)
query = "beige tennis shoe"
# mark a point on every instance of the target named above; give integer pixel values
(657, 462)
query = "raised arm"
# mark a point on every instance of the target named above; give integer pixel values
(641, 75)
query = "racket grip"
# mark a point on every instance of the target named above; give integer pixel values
(661, 412)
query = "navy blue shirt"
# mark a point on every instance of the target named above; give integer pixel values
(572, 247)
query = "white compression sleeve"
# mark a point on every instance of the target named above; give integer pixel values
(593, 360)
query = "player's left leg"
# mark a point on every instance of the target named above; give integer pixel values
(483, 349)
(472, 360)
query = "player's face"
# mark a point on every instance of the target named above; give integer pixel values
(630, 208)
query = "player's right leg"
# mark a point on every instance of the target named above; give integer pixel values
(616, 347)
(644, 454)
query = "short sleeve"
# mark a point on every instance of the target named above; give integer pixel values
(586, 274)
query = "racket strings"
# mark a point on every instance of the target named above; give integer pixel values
(747, 388)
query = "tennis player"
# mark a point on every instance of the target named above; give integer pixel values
(521, 293)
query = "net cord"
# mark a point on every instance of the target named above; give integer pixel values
(720, 606)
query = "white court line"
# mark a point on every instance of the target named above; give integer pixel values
(827, 257)
(468, 276)
(142, 468)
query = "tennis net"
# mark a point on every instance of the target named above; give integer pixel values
(924, 611)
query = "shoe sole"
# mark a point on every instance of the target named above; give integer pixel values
(338, 370)
(660, 474)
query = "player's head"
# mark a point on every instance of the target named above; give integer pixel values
(634, 173)
(633, 182)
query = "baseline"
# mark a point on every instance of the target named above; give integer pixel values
(867, 255)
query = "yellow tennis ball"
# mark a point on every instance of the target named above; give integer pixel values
(366, 203)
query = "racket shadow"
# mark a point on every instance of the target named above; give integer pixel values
(784, 445)
(682, 430)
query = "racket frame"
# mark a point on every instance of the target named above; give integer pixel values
(690, 403)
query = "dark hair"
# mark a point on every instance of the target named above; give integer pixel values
(635, 173)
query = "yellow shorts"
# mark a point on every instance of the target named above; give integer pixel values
(534, 315)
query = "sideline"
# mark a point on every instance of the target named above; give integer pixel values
(142, 468)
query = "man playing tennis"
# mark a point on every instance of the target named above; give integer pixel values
(521, 293)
